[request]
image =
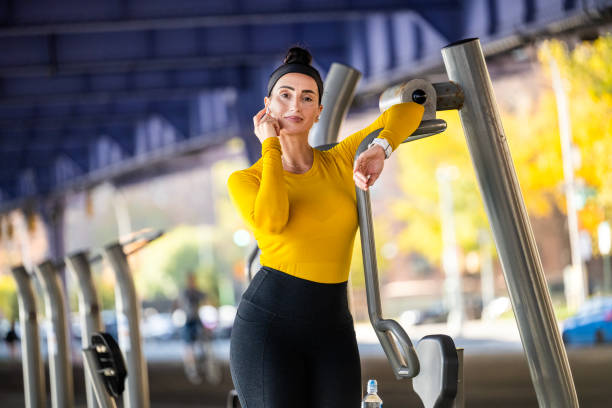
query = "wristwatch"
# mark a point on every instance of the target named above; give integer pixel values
(384, 144)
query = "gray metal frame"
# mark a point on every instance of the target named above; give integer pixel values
(92, 367)
(89, 309)
(404, 360)
(136, 394)
(512, 231)
(60, 368)
(33, 371)
(340, 85)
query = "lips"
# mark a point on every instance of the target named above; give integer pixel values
(294, 118)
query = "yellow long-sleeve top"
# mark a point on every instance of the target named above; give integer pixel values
(305, 224)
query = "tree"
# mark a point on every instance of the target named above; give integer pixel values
(533, 137)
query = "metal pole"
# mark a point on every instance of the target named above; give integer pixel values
(604, 242)
(60, 368)
(578, 291)
(403, 358)
(487, 279)
(92, 368)
(450, 262)
(89, 309)
(460, 398)
(340, 85)
(128, 328)
(512, 232)
(33, 373)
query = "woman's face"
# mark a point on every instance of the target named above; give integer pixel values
(294, 102)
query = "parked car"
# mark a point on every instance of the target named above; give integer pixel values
(109, 319)
(592, 324)
(434, 313)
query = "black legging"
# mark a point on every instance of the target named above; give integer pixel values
(293, 344)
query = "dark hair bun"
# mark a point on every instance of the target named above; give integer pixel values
(298, 55)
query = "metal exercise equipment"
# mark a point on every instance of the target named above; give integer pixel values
(472, 94)
(546, 356)
(438, 383)
(89, 308)
(33, 371)
(60, 368)
(404, 360)
(104, 365)
(339, 89)
(128, 322)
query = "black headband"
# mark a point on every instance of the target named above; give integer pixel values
(296, 67)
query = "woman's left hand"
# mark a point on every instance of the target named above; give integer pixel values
(368, 167)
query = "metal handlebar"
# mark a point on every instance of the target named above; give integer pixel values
(250, 260)
(404, 360)
(145, 237)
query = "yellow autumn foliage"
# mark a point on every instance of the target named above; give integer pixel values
(534, 142)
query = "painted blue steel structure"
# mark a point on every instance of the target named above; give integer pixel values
(94, 91)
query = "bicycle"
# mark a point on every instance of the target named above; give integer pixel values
(203, 363)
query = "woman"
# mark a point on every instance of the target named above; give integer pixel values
(293, 342)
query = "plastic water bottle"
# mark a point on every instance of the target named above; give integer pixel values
(372, 400)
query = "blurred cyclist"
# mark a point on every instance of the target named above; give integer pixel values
(189, 301)
(11, 340)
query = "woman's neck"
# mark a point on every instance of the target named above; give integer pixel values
(298, 155)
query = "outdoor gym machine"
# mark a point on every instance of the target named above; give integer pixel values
(472, 94)
(128, 321)
(58, 340)
(505, 208)
(60, 370)
(33, 372)
(89, 307)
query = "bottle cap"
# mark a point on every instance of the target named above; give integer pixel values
(372, 387)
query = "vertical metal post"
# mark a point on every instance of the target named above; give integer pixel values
(89, 310)
(92, 369)
(60, 368)
(450, 261)
(460, 398)
(578, 291)
(33, 373)
(340, 86)
(603, 242)
(127, 303)
(487, 280)
(402, 357)
(512, 232)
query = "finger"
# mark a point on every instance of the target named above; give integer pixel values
(362, 176)
(360, 184)
(372, 180)
(258, 116)
(260, 113)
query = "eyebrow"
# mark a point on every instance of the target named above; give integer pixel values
(305, 90)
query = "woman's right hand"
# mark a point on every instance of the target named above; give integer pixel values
(265, 125)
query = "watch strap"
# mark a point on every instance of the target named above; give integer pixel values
(382, 142)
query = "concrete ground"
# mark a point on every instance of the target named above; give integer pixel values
(495, 371)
